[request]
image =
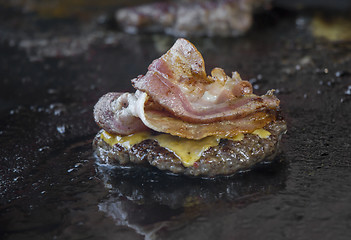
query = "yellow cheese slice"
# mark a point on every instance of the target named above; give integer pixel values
(125, 141)
(261, 133)
(187, 150)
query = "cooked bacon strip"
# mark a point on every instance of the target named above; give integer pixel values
(159, 120)
(178, 82)
(177, 97)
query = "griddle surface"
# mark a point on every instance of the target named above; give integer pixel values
(53, 70)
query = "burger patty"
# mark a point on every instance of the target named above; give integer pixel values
(228, 157)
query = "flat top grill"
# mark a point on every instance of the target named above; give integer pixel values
(53, 70)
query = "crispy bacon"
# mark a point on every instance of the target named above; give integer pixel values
(156, 118)
(178, 82)
(177, 97)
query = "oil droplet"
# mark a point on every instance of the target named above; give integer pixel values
(348, 91)
(341, 73)
(61, 129)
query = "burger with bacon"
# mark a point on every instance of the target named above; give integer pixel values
(181, 120)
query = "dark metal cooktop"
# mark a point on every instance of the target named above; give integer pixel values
(53, 70)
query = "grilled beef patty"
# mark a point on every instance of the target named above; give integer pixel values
(226, 158)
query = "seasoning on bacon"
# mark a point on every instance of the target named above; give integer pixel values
(177, 97)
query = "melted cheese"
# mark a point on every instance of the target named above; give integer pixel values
(187, 150)
(261, 133)
(125, 141)
(238, 137)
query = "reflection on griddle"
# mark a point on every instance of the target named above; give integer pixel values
(151, 202)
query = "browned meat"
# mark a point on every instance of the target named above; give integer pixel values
(228, 157)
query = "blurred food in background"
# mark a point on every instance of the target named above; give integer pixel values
(191, 17)
(333, 28)
(179, 18)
